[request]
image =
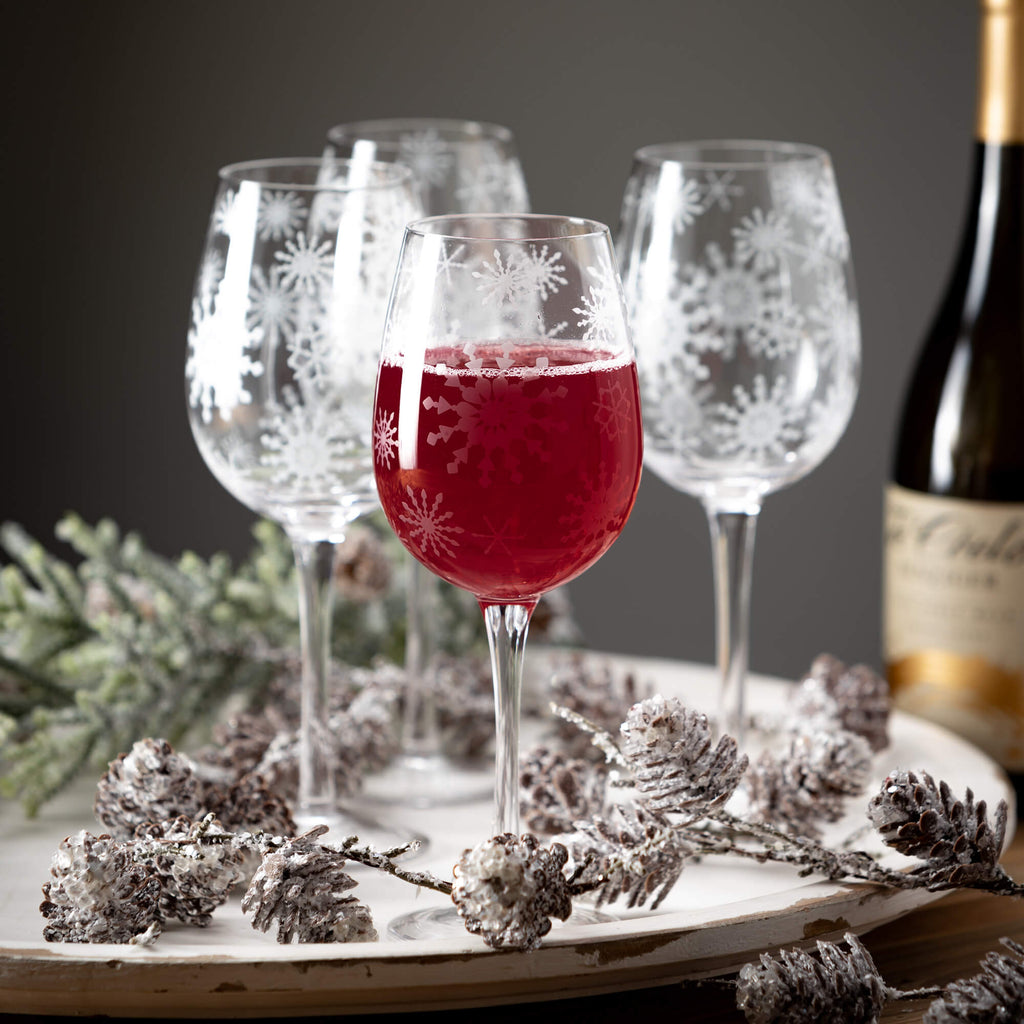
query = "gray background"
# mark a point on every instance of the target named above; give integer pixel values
(121, 113)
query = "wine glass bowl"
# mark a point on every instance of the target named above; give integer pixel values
(736, 267)
(287, 314)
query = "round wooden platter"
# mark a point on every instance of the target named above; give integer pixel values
(722, 913)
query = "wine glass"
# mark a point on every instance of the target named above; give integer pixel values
(507, 436)
(287, 315)
(736, 268)
(458, 166)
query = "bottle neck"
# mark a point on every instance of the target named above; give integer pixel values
(1000, 114)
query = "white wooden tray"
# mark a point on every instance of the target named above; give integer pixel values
(722, 913)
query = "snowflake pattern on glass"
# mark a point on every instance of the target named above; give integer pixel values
(385, 438)
(429, 156)
(306, 264)
(279, 216)
(428, 528)
(760, 423)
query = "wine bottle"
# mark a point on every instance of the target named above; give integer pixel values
(954, 509)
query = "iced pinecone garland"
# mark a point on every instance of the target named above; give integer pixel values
(809, 784)
(855, 699)
(794, 987)
(465, 705)
(507, 889)
(195, 877)
(558, 790)
(300, 884)
(99, 894)
(995, 996)
(149, 783)
(632, 853)
(923, 819)
(675, 767)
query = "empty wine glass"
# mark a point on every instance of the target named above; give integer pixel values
(736, 268)
(458, 166)
(287, 315)
(507, 435)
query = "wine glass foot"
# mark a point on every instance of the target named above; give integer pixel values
(371, 832)
(445, 923)
(427, 781)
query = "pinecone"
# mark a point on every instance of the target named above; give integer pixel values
(675, 767)
(238, 744)
(794, 987)
(149, 783)
(556, 790)
(300, 884)
(99, 894)
(249, 806)
(195, 877)
(465, 706)
(590, 688)
(995, 996)
(507, 889)
(855, 699)
(362, 568)
(632, 852)
(954, 837)
(810, 782)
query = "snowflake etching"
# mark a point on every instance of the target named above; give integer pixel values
(280, 215)
(719, 190)
(778, 332)
(834, 317)
(613, 407)
(762, 239)
(600, 311)
(542, 272)
(689, 204)
(385, 438)
(211, 271)
(760, 424)
(429, 156)
(497, 538)
(504, 280)
(302, 446)
(273, 309)
(449, 260)
(306, 265)
(218, 360)
(225, 213)
(428, 527)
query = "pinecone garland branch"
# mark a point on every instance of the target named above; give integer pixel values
(993, 996)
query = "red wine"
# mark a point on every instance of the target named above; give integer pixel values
(508, 481)
(954, 571)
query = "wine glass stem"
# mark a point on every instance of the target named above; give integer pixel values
(315, 562)
(732, 552)
(421, 733)
(507, 625)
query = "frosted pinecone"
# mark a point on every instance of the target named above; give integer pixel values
(195, 877)
(923, 819)
(98, 893)
(248, 805)
(362, 567)
(594, 691)
(149, 783)
(238, 744)
(632, 852)
(794, 987)
(465, 706)
(508, 888)
(834, 696)
(994, 996)
(300, 885)
(557, 790)
(810, 783)
(675, 766)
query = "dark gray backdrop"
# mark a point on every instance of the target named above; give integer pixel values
(121, 113)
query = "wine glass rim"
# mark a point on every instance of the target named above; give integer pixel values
(377, 130)
(733, 154)
(386, 175)
(445, 226)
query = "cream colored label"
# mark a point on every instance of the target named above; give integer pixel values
(954, 615)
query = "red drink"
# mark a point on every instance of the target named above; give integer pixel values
(508, 482)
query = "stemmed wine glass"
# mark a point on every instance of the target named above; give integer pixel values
(507, 436)
(458, 166)
(287, 315)
(736, 268)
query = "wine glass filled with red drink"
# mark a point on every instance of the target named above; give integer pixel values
(506, 431)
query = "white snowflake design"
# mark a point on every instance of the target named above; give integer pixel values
(719, 190)
(779, 331)
(302, 446)
(218, 359)
(760, 424)
(385, 438)
(280, 215)
(450, 260)
(689, 204)
(307, 265)
(273, 309)
(504, 280)
(542, 271)
(211, 271)
(428, 527)
(600, 310)
(489, 186)
(762, 239)
(429, 156)
(224, 213)
(834, 317)
(614, 407)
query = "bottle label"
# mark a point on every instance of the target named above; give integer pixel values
(954, 615)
